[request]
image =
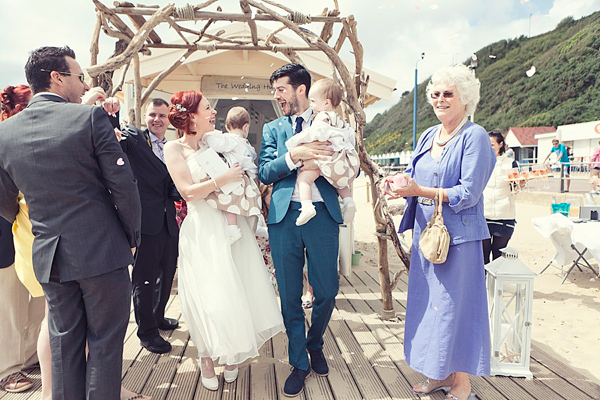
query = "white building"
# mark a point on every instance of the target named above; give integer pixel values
(582, 138)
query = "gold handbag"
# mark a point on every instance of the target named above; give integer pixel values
(435, 239)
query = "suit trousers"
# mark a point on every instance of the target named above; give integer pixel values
(21, 316)
(95, 309)
(156, 261)
(320, 238)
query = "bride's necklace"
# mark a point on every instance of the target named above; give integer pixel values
(442, 143)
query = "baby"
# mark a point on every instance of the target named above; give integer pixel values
(235, 148)
(339, 169)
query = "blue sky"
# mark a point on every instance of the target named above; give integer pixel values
(392, 32)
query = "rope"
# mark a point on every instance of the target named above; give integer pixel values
(286, 48)
(299, 18)
(186, 12)
(206, 46)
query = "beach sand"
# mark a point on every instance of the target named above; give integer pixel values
(565, 317)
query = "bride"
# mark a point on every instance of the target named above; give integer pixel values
(224, 289)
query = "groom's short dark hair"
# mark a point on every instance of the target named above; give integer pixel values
(296, 73)
(44, 60)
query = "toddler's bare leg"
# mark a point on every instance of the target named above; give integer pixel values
(305, 179)
(344, 192)
(231, 218)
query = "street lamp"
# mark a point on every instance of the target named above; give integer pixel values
(415, 102)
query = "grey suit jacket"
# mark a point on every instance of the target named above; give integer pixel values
(83, 200)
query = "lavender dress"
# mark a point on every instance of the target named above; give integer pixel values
(447, 328)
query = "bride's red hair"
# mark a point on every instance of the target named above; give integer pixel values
(13, 99)
(182, 105)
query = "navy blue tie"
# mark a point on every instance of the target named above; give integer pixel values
(299, 121)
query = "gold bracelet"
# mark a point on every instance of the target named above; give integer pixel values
(215, 183)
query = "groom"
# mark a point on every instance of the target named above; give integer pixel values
(318, 238)
(85, 212)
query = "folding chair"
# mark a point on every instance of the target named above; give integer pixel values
(566, 251)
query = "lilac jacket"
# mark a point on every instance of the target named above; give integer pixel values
(464, 169)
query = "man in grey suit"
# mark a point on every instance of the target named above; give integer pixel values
(86, 215)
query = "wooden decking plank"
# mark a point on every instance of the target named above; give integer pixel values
(203, 393)
(262, 373)
(342, 382)
(510, 388)
(238, 389)
(282, 367)
(362, 369)
(570, 375)
(392, 355)
(396, 383)
(544, 376)
(187, 376)
(164, 370)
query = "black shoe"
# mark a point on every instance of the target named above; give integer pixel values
(295, 382)
(318, 363)
(156, 345)
(168, 324)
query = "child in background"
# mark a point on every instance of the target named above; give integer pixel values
(233, 145)
(339, 169)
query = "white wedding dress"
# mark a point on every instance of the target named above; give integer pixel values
(226, 297)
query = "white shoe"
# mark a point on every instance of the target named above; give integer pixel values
(306, 213)
(235, 237)
(210, 383)
(348, 212)
(230, 376)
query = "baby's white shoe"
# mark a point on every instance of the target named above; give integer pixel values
(306, 213)
(348, 211)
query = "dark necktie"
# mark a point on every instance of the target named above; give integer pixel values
(299, 121)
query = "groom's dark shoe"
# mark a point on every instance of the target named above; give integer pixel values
(318, 363)
(156, 345)
(168, 324)
(295, 382)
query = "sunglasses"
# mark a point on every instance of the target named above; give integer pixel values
(81, 76)
(445, 95)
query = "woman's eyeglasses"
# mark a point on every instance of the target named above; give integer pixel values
(81, 76)
(445, 95)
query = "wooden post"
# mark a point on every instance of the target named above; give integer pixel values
(137, 83)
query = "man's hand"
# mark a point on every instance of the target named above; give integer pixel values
(133, 251)
(311, 151)
(93, 95)
(112, 106)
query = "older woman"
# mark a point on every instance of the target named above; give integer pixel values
(447, 333)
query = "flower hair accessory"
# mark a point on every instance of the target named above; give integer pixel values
(180, 108)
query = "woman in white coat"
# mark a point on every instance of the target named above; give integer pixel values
(499, 201)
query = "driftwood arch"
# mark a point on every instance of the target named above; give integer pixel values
(143, 38)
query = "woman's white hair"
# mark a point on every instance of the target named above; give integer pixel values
(463, 79)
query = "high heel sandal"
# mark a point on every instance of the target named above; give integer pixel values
(427, 383)
(450, 396)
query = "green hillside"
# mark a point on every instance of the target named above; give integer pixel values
(564, 90)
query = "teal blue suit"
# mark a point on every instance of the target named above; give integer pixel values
(318, 237)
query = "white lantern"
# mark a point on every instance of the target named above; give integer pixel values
(510, 300)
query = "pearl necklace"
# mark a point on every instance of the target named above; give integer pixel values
(442, 143)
